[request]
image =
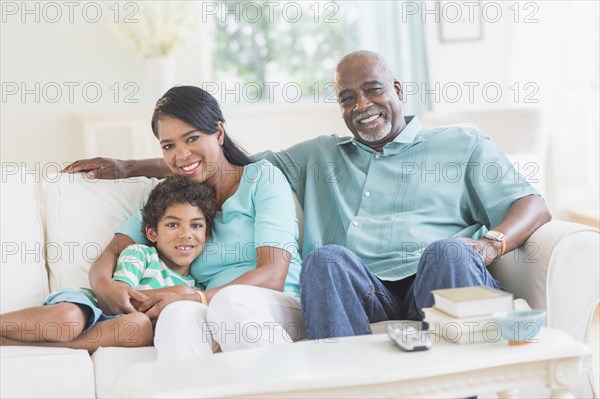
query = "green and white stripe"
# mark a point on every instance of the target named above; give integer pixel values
(141, 268)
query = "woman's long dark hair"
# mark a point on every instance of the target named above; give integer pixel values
(197, 108)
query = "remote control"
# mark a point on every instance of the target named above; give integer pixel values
(408, 336)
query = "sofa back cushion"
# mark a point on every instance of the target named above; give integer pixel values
(81, 218)
(23, 276)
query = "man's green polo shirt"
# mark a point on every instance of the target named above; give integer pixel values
(387, 207)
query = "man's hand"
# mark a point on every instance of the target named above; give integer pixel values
(102, 168)
(488, 249)
(115, 297)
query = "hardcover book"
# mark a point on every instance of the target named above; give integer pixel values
(472, 301)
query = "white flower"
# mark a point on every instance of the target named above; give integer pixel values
(157, 28)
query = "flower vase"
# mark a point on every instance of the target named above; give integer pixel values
(161, 73)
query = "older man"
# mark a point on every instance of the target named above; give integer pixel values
(397, 211)
(393, 212)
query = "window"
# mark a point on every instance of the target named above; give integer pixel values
(282, 51)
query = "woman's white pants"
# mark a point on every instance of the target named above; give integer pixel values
(238, 317)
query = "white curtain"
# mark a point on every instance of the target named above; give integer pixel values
(400, 38)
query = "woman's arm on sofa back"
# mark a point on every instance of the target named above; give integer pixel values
(108, 168)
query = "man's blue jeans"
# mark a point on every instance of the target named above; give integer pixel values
(341, 297)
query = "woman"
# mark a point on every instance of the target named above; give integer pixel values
(250, 267)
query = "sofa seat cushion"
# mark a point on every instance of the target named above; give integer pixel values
(36, 372)
(109, 362)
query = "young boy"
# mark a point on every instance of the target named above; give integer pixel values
(177, 219)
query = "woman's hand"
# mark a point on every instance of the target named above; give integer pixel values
(489, 250)
(157, 302)
(102, 168)
(115, 297)
(108, 168)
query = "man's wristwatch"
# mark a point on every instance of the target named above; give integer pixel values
(495, 235)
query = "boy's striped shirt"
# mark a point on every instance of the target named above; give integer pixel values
(141, 268)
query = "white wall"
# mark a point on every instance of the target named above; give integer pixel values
(563, 62)
(467, 73)
(40, 132)
(540, 54)
(40, 128)
(262, 127)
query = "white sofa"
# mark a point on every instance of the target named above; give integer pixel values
(54, 227)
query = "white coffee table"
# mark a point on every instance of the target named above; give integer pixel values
(365, 366)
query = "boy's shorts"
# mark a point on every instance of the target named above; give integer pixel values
(86, 300)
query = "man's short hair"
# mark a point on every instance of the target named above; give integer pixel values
(372, 56)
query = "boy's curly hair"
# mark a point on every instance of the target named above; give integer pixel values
(179, 190)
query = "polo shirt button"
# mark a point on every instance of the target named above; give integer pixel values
(377, 156)
(355, 223)
(367, 193)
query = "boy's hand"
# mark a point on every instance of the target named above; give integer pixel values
(115, 297)
(136, 298)
(176, 289)
(157, 302)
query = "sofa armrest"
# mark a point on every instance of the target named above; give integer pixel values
(556, 270)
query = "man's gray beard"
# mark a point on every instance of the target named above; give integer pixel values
(382, 133)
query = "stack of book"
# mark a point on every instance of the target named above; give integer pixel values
(464, 315)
